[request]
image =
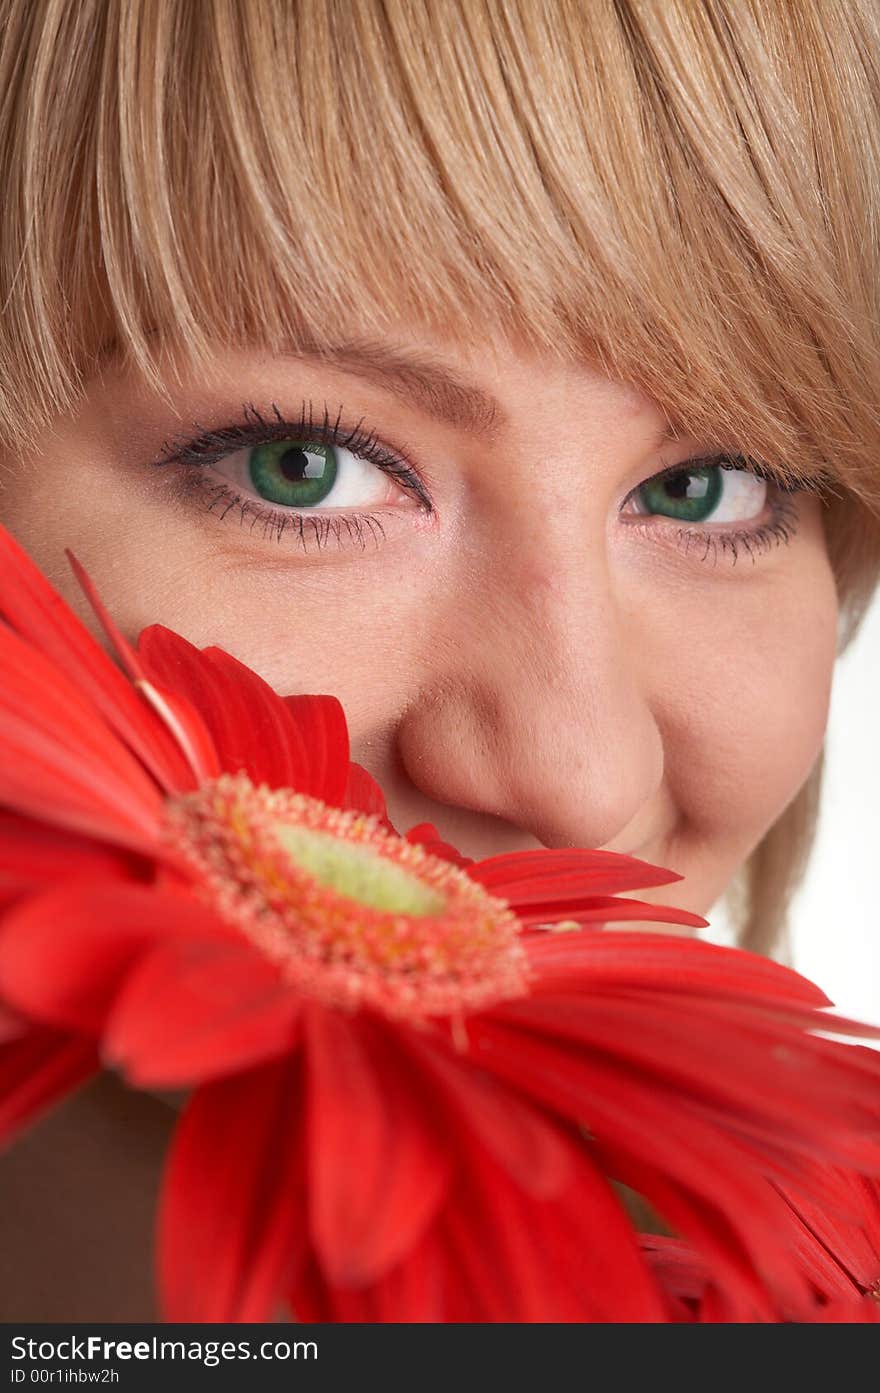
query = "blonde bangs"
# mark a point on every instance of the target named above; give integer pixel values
(683, 194)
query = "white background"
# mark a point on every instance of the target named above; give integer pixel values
(835, 916)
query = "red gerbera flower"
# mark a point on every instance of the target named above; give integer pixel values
(408, 1096)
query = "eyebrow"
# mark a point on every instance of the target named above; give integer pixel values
(417, 378)
(422, 381)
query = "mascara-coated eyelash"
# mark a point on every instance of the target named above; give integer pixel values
(311, 526)
(777, 530)
(726, 460)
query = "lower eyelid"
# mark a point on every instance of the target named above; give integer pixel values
(305, 530)
(310, 528)
(776, 530)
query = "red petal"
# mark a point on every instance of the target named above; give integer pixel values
(681, 1270)
(690, 1173)
(851, 1239)
(178, 717)
(37, 1068)
(725, 1063)
(12, 1025)
(517, 1135)
(321, 721)
(61, 762)
(246, 719)
(364, 794)
(426, 836)
(38, 613)
(64, 954)
(34, 856)
(553, 879)
(231, 1232)
(858, 1311)
(497, 1254)
(658, 961)
(195, 1009)
(294, 742)
(365, 1216)
(612, 909)
(573, 1259)
(190, 733)
(418, 1290)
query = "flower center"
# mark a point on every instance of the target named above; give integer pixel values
(352, 913)
(357, 872)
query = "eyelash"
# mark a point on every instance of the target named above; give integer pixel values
(213, 445)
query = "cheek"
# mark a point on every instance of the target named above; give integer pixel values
(749, 705)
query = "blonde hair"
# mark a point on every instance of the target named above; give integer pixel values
(685, 193)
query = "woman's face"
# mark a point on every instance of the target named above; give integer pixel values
(536, 641)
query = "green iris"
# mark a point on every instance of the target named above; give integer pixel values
(691, 495)
(295, 473)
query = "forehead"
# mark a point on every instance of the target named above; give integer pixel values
(475, 386)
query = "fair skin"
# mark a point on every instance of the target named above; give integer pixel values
(530, 659)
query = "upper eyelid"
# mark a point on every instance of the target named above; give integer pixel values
(249, 427)
(731, 460)
(818, 483)
(723, 459)
(252, 423)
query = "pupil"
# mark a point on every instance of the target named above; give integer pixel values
(295, 473)
(295, 465)
(679, 486)
(691, 495)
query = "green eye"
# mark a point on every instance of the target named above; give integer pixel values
(295, 473)
(690, 495)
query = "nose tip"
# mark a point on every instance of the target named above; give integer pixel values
(565, 776)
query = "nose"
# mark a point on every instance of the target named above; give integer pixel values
(536, 711)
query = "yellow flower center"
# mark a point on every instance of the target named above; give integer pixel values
(352, 913)
(358, 873)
